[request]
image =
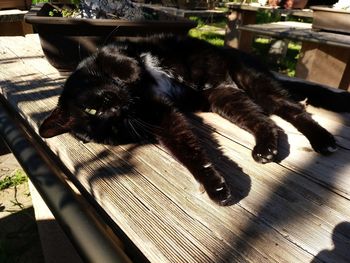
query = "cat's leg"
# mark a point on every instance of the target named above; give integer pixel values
(174, 133)
(234, 105)
(268, 93)
(320, 139)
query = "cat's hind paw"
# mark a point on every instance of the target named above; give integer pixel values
(264, 153)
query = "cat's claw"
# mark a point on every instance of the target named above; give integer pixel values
(327, 149)
(221, 194)
(332, 149)
(217, 190)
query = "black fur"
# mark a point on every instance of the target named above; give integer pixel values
(141, 89)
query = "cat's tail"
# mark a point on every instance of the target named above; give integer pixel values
(317, 95)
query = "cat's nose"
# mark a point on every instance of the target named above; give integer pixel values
(115, 110)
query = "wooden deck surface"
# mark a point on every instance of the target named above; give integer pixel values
(297, 210)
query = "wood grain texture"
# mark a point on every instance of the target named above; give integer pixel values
(297, 210)
(298, 31)
(324, 64)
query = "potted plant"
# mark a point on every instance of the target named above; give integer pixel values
(70, 32)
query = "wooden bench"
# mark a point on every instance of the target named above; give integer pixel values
(324, 57)
(297, 210)
(245, 14)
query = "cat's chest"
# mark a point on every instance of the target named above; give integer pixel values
(165, 82)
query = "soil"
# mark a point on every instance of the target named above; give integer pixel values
(19, 238)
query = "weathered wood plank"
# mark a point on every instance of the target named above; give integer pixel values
(318, 59)
(288, 212)
(298, 31)
(294, 201)
(12, 15)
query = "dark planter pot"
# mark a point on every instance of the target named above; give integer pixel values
(66, 41)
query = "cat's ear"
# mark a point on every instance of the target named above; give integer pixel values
(56, 123)
(118, 65)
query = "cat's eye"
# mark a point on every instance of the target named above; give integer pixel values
(108, 97)
(90, 111)
(106, 100)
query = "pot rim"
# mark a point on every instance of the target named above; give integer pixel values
(32, 17)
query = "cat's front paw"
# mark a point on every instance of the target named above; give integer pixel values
(265, 152)
(323, 142)
(219, 193)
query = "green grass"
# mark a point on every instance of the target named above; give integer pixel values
(208, 31)
(17, 178)
(213, 38)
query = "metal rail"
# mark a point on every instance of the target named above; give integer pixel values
(86, 231)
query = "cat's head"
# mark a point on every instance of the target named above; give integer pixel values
(97, 99)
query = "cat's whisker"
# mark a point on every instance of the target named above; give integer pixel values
(133, 129)
(148, 128)
(110, 35)
(148, 125)
(145, 126)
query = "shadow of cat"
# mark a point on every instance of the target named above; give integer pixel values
(283, 147)
(121, 163)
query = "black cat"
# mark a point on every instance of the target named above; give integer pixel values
(142, 89)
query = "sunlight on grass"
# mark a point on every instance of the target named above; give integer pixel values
(212, 38)
(209, 31)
